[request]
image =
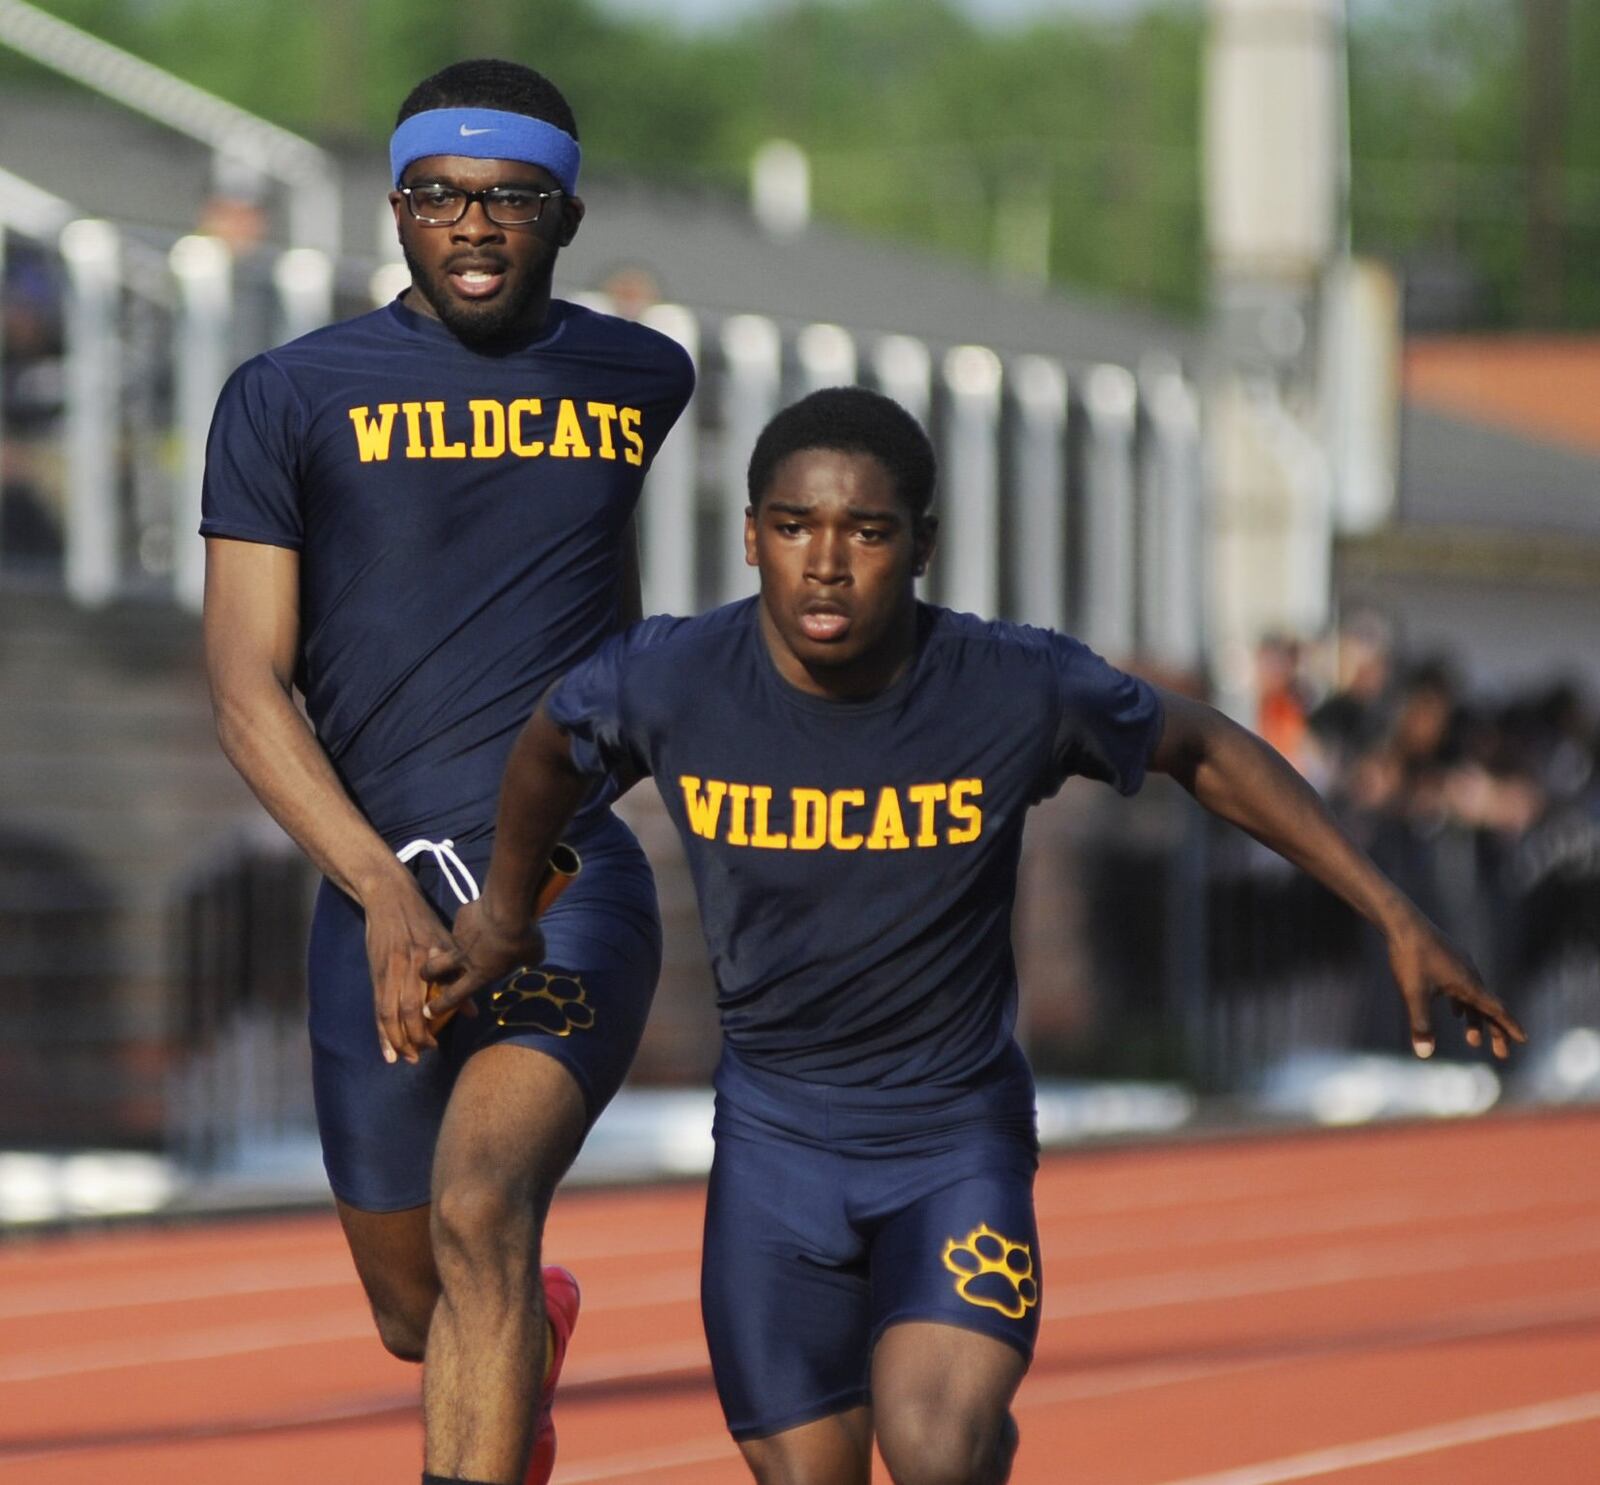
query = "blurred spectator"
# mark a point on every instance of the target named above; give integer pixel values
(31, 385)
(1350, 719)
(632, 289)
(1281, 699)
(1485, 809)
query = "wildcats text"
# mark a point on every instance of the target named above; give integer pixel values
(520, 429)
(882, 819)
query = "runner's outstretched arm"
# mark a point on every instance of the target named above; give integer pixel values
(540, 793)
(1238, 777)
(252, 634)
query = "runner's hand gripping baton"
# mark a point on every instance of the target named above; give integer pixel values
(563, 866)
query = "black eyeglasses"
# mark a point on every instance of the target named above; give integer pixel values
(436, 205)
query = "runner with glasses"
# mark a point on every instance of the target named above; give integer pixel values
(437, 204)
(420, 518)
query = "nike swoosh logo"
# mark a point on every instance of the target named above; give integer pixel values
(467, 133)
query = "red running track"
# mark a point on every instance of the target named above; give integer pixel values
(1411, 1305)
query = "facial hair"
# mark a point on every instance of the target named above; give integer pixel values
(482, 326)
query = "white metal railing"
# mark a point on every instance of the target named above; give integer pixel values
(966, 573)
(668, 520)
(1068, 501)
(313, 202)
(32, 210)
(92, 394)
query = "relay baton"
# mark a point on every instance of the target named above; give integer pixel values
(564, 865)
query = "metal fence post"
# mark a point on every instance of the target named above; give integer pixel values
(970, 568)
(91, 251)
(667, 525)
(753, 352)
(1111, 399)
(903, 369)
(303, 279)
(387, 281)
(827, 356)
(1171, 610)
(2, 383)
(203, 268)
(1038, 560)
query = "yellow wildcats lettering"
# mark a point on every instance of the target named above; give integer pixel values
(488, 428)
(372, 434)
(523, 428)
(704, 809)
(885, 819)
(439, 446)
(962, 793)
(604, 414)
(415, 447)
(809, 832)
(522, 446)
(568, 442)
(888, 828)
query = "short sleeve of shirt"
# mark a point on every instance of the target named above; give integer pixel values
(1107, 722)
(679, 377)
(252, 487)
(591, 704)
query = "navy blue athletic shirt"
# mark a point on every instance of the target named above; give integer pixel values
(458, 518)
(856, 861)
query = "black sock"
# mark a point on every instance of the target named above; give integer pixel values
(428, 1479)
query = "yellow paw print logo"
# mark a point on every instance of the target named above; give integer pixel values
(992, 1271)
(548, 1000)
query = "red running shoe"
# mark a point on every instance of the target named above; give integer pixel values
(561, 1301)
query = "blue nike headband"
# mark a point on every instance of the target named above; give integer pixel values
(486, 134)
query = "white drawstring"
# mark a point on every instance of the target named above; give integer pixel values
(445, 855)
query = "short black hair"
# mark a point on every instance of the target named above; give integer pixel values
(490, 83)
(851, 420)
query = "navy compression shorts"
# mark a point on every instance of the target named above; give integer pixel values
(834, 1213)
(585, 1006)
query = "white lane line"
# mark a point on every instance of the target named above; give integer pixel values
(194, 1345)
(704, 1450)
(653, 1361)
(1314, 1271)
(557, 1241)
(671, 1287)
(345, 1410)
(1344, 1214)
(1085, 1190)
(1537, 1418)
(1102, 1382)
(1107, 1297)
(1559, 1309)
(148, 1260)
(1109, 1382)
(232, 1281)
(284, 1335)
(679, 1284)
(1188, 1190)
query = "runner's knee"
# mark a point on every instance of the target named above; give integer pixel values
(930, 1445)
(814, 1455)
(402, 1309)
(487, 1230)
(403, 1329)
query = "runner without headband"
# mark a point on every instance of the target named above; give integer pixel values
(849, 771)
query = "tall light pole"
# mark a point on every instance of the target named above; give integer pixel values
(1276, 193)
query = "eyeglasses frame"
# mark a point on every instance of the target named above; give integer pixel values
(482, 198)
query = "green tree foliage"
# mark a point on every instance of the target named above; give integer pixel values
(1065, 147)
